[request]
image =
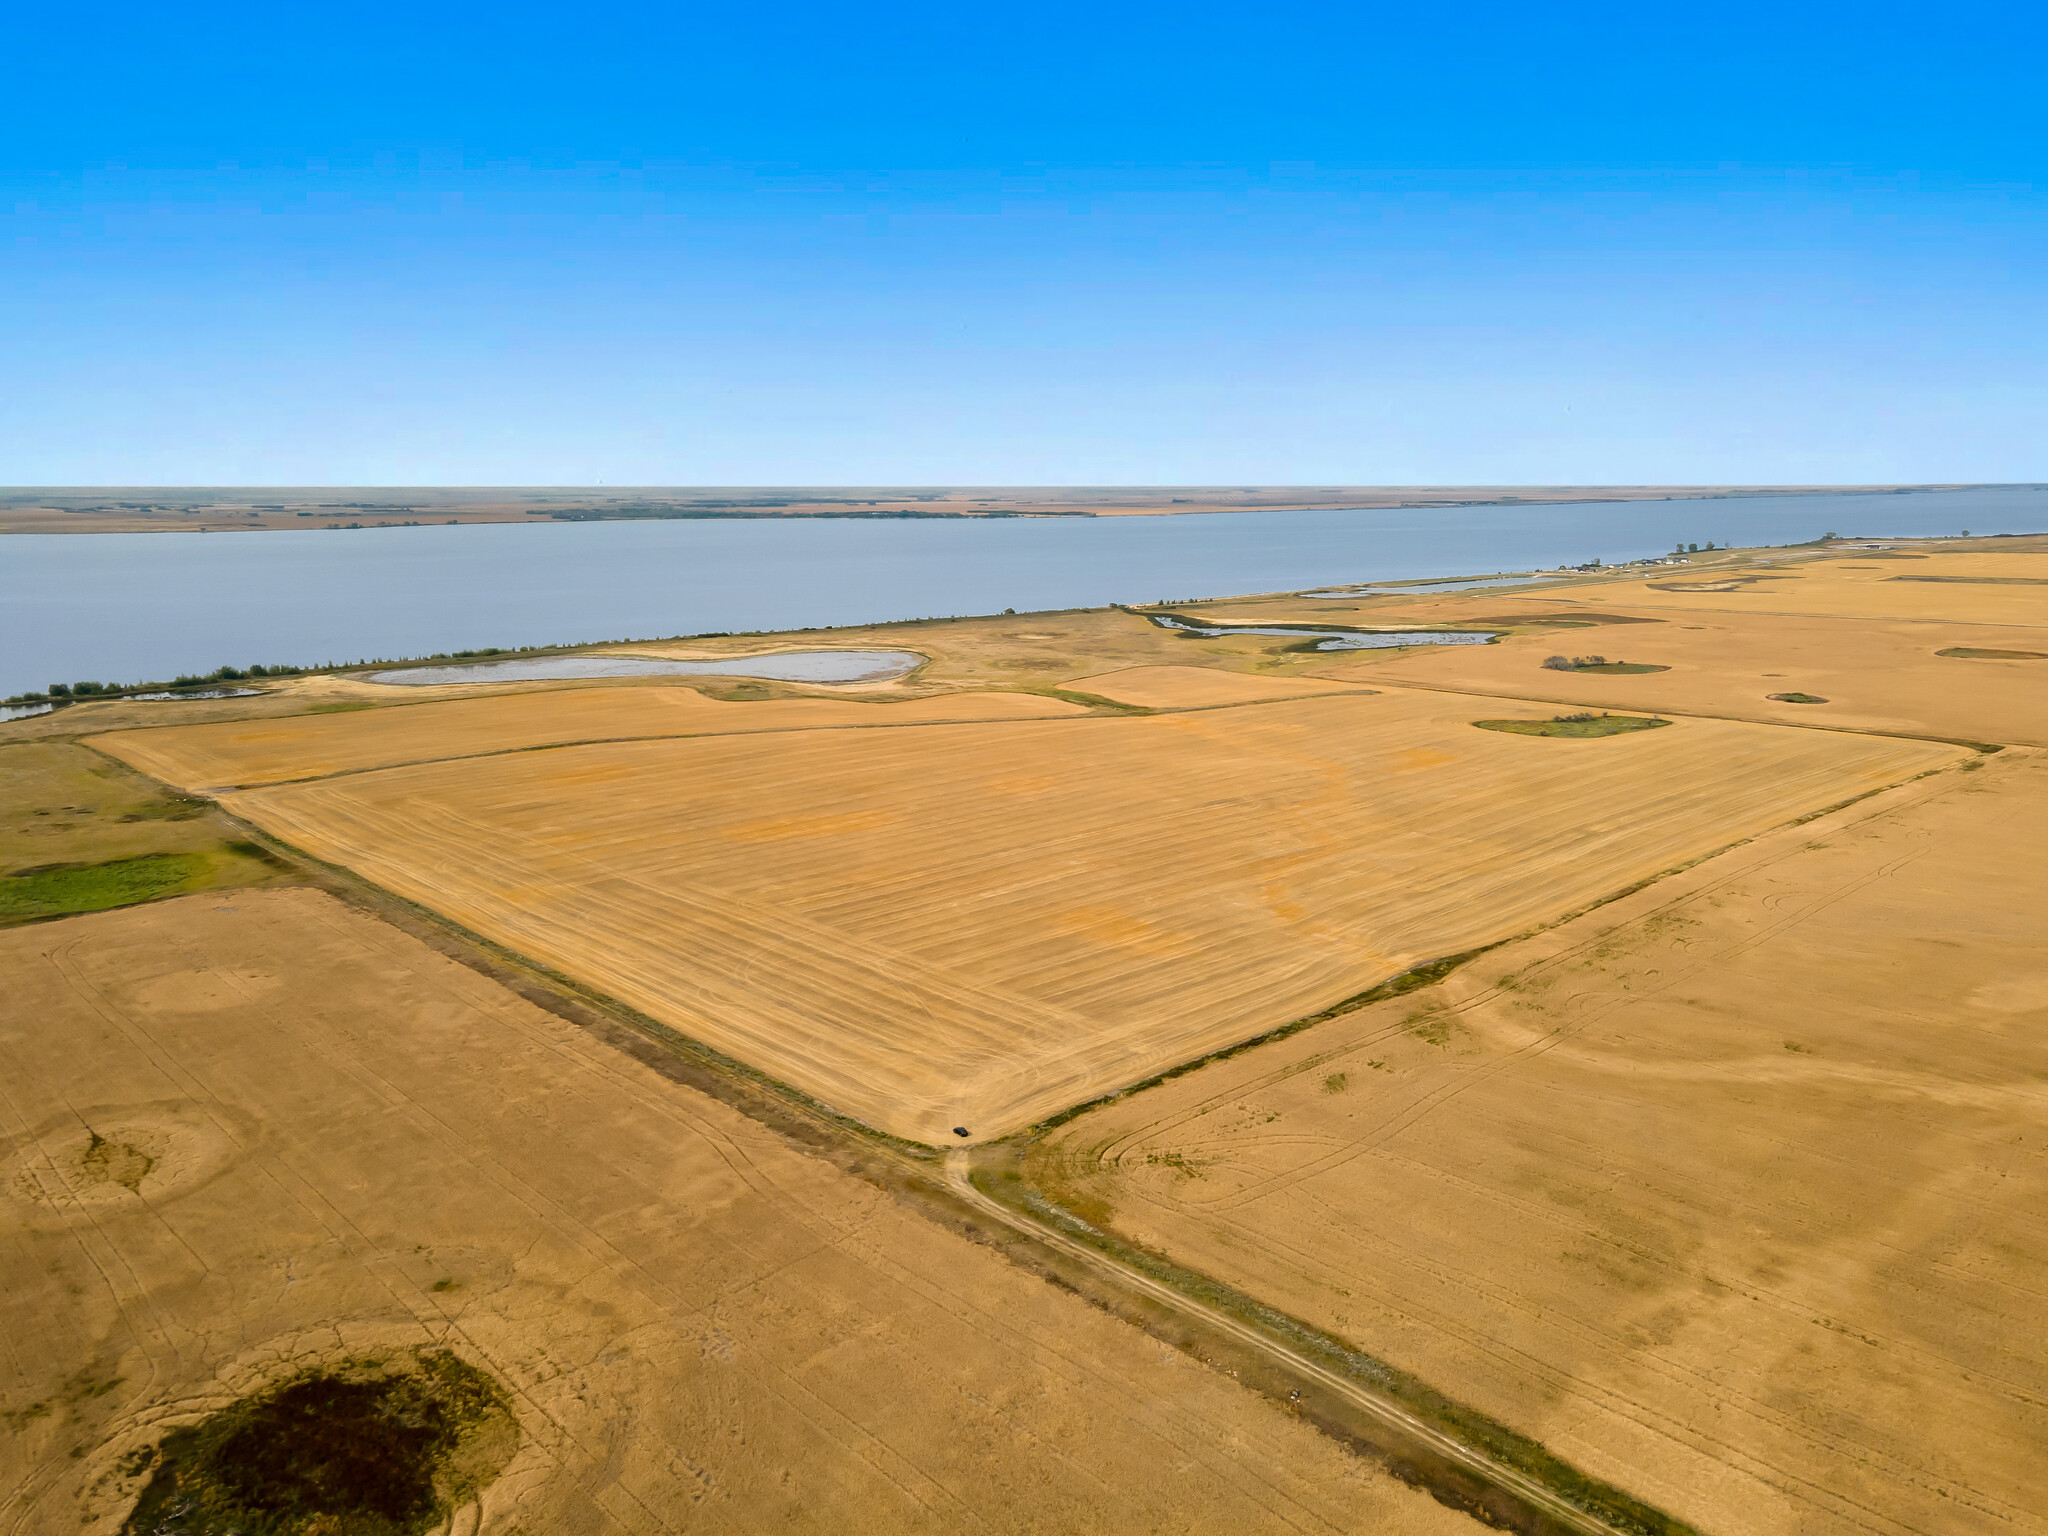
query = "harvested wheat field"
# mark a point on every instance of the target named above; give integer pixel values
(232, 754)
(1973, 586)
(1199, 687)
(1882, 676)
(1734, 1192)
(977, 925)
(245, 1137)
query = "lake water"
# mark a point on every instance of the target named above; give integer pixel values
(1334, 639)
(120, 607)
(781, 667)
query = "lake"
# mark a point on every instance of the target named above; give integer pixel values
(130, 607)
(777, 666)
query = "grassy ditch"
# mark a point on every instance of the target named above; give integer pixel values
(1617, 1510)
(1574, 727)
(1419, 976)
(1985, 653)
(1797, 698)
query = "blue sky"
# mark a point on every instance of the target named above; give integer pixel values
(1046, 244)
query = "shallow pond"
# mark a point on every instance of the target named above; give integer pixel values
(1332, 639)
(780, 667)
(197, 693)
(1430, 588)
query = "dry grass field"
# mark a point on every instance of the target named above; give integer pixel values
(1734, 1192)
(978, 925)
(80, 832)
(244, 1136)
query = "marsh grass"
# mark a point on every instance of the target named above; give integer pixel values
(359, 1450)
(1574, 727)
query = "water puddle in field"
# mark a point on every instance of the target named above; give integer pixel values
(1430, 588)
(197, 693)
(780, 667)
(1330, 639)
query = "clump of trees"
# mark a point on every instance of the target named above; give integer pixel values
(58, 692)
(1574, 663)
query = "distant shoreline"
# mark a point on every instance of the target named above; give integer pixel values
(247, 509)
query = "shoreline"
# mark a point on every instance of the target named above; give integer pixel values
(254, 509)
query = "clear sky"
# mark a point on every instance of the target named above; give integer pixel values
(1044, 243)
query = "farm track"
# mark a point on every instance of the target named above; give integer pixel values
(1548, 1509)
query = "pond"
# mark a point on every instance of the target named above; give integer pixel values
(780, 667)
(1332, 639)
(196, 693)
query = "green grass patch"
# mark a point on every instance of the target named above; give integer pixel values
(1598, 664)
(1574, 726)
(49, 890)
(1798, 698)
(1983, 653)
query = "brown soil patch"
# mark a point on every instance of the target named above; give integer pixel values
(1733, 1193)
(693, 1322)
(980, 924)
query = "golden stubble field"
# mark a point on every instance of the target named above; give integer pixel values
(242, 1135)
(978, 925)
(1734, 1192)
(1876, 675)
(229, 755)
(1727, 652)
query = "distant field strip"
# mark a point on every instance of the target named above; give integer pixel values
(980, 924)
(1200, 687)
(1980, 588)
(236, 753)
